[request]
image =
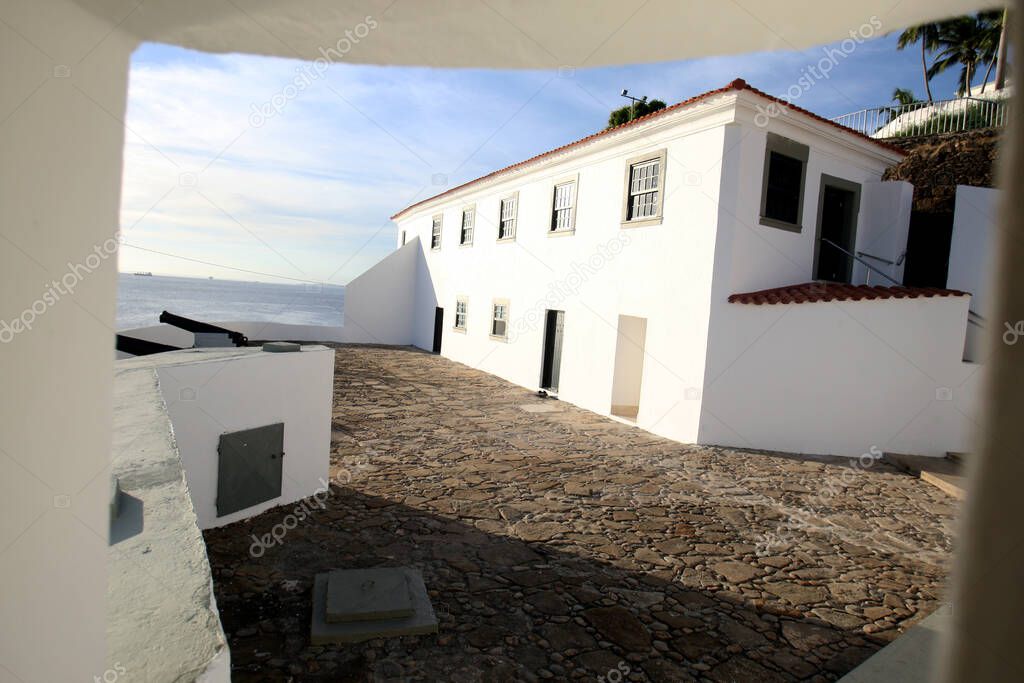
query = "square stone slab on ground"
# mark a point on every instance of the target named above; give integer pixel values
(422, 621)
(540, 408)
(368, 594)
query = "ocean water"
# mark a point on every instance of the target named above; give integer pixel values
(141, 299)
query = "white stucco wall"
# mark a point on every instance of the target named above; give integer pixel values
(753, 256)
(837, 378)
(213, 391)
(971, 254)
(379, 303)
(972, 263)
(61, 144)
(885, 208)
(831, 378)
(661, 273)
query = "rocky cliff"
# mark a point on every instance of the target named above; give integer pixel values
(936, 164)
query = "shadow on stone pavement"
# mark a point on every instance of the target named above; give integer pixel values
(563, 545)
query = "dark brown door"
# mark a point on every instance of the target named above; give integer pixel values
(438, 328)
(553, 328)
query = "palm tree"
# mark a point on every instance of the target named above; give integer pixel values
(927, 35)
(1001, 51)
(903, 99)
(965, 41)
(903, 96)
(992, 41)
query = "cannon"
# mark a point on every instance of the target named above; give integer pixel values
(198, 327)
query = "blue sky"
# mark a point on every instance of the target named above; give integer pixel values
(306, 192)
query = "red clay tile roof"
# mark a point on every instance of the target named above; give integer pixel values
(833, 291)
(737, 84)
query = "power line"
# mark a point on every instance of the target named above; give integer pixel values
(220, 265)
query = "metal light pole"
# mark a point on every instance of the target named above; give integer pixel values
(633, 101)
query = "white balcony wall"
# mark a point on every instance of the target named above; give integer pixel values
(837, 378)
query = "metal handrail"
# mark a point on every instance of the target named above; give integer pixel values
(980, 319)
(860, 261)
(927, 118)
(877, 258)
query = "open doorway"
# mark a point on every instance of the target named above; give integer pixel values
(438, 328)
(838, 206)
(928, 245)
(554, 324)
(629, 366)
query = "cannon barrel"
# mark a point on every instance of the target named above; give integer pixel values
(141, 347)
(237, 338)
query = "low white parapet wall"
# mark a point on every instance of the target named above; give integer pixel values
(162, 619)
(253, 329)
(842, 377)
(972, 264)
(378, 310)
(210, 392)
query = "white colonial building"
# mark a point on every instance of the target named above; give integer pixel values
(623, 273)
(724, 271)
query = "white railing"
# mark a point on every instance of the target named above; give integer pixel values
(924, 118)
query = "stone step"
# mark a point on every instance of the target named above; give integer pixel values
(943, 473)
(324, 632)
(911, 657)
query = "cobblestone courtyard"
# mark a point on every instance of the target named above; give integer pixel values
(563, 545)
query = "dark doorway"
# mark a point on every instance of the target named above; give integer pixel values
(928, 249)
(554, 324)
(438, 328)
(837, 229)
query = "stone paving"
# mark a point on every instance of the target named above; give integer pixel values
(558, 544)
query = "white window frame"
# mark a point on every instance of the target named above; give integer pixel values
(494, 318)
(658, 160)
(436, 221)
(471, 212)
(570, 226)
(464, 303)
(513, 218)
